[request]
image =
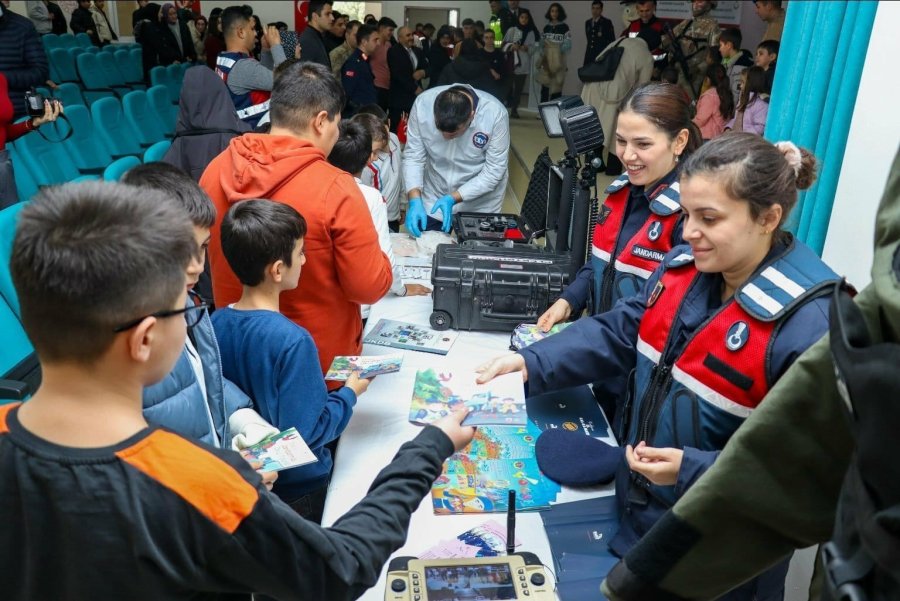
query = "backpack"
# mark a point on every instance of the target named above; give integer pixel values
(862, 561)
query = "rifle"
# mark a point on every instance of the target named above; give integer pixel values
(679, 57)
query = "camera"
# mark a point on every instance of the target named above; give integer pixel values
(34, 103)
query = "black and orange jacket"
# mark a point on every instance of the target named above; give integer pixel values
(160, 517)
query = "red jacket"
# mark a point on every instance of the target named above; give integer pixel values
(8, 131)
(345, 266)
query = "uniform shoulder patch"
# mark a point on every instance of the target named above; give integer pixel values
(480, 139)
(617, 184)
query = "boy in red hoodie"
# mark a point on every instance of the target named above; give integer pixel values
(346, 267)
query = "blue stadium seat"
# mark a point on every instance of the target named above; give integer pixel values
(117, 169)
(50, 41)
(63, 64)
(93, 78)
(131, 71)
(157, 151)
(158, 96)
(113, 129)
(69, 94)
(83, 40)
(85, 148)
(159, 76)
(173, 82)
(142, 118)
(67, 40)
(49, 162)
(17, 359)
(45, 92)
(92, 49)
(115, 79)
(75, 51)
(25, 184)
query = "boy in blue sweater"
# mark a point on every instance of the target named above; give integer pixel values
(271, 358)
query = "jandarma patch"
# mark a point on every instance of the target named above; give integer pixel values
(480, 139)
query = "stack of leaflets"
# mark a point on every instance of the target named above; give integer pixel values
(410, 337)
(365, 367)
(527, 334)
(579, 535)
(500, 402)
(280, 451)
(485, 540)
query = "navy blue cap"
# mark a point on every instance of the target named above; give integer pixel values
(573, 459)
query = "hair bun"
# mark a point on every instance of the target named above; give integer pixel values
(791, 155)
(801, 161)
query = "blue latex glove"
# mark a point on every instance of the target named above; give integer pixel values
(416, 220)
(445, 205)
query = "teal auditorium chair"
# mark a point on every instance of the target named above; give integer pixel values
(64, 65)
(69, 94)
(25, 184)
(114, 130)
(157, 151)
(142, 118)
(49, 162)
(94, 79)
(75, 51)
(19, 369)
(173, 82)
(132, 71)
(158, 96)
(67, 40)
(117, 168)
(50, 41)
(83, 40)
(85, 147)
(159, 76)
(114, 77)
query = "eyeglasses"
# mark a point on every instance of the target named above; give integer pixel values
(192, 316)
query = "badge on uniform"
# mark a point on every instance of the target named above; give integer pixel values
(657, 290)
(737, 336)
(480, 139)
(604, 213)
(654, 231)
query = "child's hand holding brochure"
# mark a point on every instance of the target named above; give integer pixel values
(365, 367)
(280, 452)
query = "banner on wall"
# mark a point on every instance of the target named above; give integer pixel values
(726, 13)
(301, 9)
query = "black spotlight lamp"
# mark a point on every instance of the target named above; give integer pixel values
(550, 113)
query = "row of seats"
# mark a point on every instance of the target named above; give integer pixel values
(78, 40)
(106, 140)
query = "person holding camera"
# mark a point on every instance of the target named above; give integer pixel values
(9, 131)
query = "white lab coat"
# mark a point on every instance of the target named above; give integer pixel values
(475, 163)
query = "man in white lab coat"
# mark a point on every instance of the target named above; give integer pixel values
(456, 156)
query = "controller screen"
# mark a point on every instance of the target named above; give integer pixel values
(491, 582)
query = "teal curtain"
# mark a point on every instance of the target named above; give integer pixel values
(819, 67)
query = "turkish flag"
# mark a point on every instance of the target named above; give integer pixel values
(301, 10)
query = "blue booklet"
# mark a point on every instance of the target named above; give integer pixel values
(574, 409)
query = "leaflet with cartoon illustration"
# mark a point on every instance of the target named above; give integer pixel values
(280, 451)
(410, 337)
(527, 334)
(500, 402)
(467, 485)
(365, 367)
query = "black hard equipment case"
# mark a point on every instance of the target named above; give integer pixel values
(478, 287)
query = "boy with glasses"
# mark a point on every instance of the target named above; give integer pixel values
(194, 399)
(99, 505)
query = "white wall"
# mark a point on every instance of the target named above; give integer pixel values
(468, 9)
(268, 12)
(871, 146)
